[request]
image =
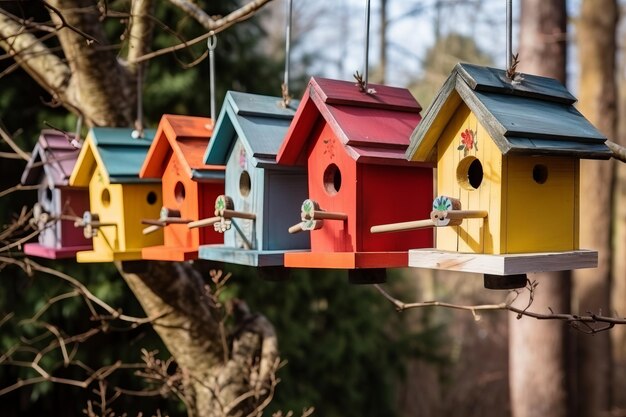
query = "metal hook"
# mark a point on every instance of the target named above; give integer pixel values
(211, 44)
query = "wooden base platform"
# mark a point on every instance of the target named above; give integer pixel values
(169, 253)
(36, 249)
(346, 260)
(247, 257)
(93, 256)
(511, 264)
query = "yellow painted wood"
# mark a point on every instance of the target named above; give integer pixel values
(137, 207)
(542, 217)
(473, 235)
(85, 164)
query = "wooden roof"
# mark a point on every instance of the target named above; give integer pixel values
(534, 115)
(54, 157)
(372, 127)
(259, 121)
(116, 151)
(187, 138)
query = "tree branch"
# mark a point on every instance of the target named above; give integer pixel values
(210, 23)
(581, 323)
(31, 54)
(619, 152)
(140, 31)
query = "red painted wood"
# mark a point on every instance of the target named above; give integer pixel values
(74, 201)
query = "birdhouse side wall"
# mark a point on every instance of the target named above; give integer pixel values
(542, 204)
(208, 192)
(333, 184)
(140, 201)
(285, 191)
(245, 184)
(180, 193)
(392, 194)
(106, 201)
(73, 202)
(469, 168)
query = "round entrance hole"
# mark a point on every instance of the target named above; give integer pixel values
(48, 194)
(469, 173)
(332, 179)
(179, 192)
(245, 184)
(106, 197)
(540, 173)
(151, 198)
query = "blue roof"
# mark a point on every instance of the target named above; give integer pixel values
(122, 154)
(531, 115)
(261, 122)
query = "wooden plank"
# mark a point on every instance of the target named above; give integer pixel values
(169, 253)
(221, 253)
(116, 136)
(346, 260)
(247, 104)
(554, 147)
(293, 149)
(41, 251)
(481, 78)
(503, 264)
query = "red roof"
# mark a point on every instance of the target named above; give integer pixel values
(373, 127)
(187, 137)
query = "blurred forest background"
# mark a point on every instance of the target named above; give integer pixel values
(348, 352)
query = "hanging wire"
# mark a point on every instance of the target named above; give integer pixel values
(367, 44)
(138, 131)
(509, 34)
(211, 44)
(285, 86)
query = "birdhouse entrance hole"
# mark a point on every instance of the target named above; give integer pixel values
(151, 198)
(105, 197)
(540, 173)
(48, 194)
(469, 173)
(245, 184)
(332, 179)
(179, 192)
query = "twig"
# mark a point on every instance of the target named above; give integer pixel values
(9, 140)
(57, 12)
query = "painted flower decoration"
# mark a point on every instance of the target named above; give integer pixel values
(468, 140)
(442, 203)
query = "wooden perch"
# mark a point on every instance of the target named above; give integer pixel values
(313, 217)
(204, 222)
(398, 227)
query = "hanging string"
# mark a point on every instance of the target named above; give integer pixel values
(211, 44)
(285, 86)
(367, 45)
(138, 132)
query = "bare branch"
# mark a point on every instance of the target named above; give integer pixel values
(619, 152)
(581, 323)
(140, 32)
(45, 67)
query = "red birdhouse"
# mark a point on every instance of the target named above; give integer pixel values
(190, 186)
(354, 144)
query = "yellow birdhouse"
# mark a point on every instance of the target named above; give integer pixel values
(109, 164)
(507, 155)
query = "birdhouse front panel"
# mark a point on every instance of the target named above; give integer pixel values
(73, 203)
(245, 185)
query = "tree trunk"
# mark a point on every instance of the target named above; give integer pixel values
(538, 349)
(596, 42)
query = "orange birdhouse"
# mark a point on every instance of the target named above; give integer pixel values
(189, 187)
(353, 144)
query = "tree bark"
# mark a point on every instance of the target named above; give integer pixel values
(538, 349)
(596, 30)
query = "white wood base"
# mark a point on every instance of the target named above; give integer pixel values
(522, 263)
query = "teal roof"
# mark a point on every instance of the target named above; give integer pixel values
(531, 115)
(122, 154)
(261, 122)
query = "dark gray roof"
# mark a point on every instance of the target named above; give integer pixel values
(533, 115)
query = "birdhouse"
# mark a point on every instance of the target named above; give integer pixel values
(189, 187)
(50, 166)
(354, 144)
(254, 212)
(109, 164)
(507, 154)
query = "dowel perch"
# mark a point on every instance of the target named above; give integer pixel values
(446, 212)
(229, 214)
(90, 224)
(204, 222)
(313, 217)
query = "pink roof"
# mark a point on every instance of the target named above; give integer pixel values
(53, 156)
(374, 126)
